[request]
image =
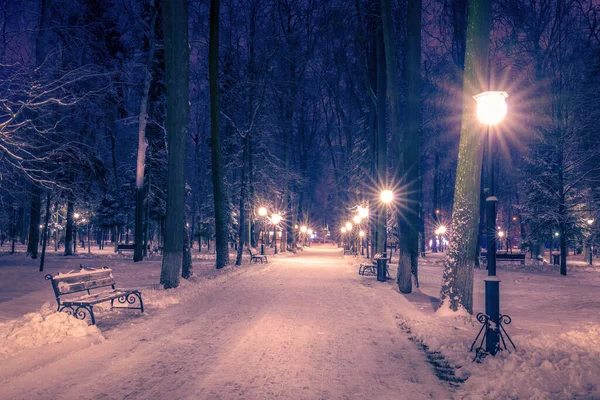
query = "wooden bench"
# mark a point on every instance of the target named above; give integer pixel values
(86, 280)
(125, 246)
(370, 268)
(503, 257)
(254, 256)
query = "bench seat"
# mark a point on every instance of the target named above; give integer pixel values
(86, 280)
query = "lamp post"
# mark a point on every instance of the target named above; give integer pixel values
(14, 228)
(491, 110)
(361, 234)
(386, 196)
(363, 213)
(590, 222)
(303, 231)
(262, 212)
(75, 217)
(275, 219)
(343, 230)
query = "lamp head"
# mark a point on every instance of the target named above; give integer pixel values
(303, 229)
(357, 219)
(309, 231)
(491, 107)
(262, 211)
(500, 233)
(348, 226)
(363, 212)
(386, 196)
(590, 221)
(442, 230)
(343, 230)
(361, 233)
(276, 218)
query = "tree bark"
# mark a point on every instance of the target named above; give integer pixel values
(34, 221)
(177, 82)
(380, 145)
(221, 209)
(45, 232)
(457, 282)
(69, 228)
(138, 254)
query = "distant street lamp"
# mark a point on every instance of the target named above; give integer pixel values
(441, 231)
(275, 220)
(357, 219)
(590, 222)
(386, 196)
(348, 226)
(75, 217)
(491, 110)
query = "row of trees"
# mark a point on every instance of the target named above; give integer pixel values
(306, 107)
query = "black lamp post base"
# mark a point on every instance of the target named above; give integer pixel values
(491, 330)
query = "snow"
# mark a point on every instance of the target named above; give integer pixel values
(42, 328)
(301, 326)
(555, 326)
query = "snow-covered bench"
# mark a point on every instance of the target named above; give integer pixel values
(86, 280)
(370, 268)
(503, 257)
(254, 256)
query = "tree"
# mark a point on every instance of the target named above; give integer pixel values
(138, 254)
(220, 201)
(177, 82)
(457, 282)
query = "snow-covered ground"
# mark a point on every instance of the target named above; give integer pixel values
(555, 326)
(299, 327)
(303, 326)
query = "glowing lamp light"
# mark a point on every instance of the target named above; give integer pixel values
(343, 230)
(76, 215)
(357, 219)
(442, 230)
(514, 218)
(303, 229)
(437, 232)
(437, 211)
(363, 212)
(276, 218)
(590, 221)
(41, 226)
(361, 233)
(501, 234)
(556, 234)
(387, 196)
(262, 211)
(491, 107)
(348, 226)
(309, 231)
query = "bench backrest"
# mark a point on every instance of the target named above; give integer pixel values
(252, 251)
(85, 279)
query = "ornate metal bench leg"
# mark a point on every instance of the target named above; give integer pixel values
(139, 296)
(80, 313)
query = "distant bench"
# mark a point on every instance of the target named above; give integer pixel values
(503, 257)
(124, 246)
(85, 280)
(370, 268)
(254, 256)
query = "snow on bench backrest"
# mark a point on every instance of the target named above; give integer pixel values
(79, 281)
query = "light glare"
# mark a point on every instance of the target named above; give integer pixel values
(491, 107)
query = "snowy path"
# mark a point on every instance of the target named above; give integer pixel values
(302, 327)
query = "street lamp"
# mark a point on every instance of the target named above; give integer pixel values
(590, 222)
(76, 217)
(491, 110)
(275, 219)
(357, 219)
(386, 196)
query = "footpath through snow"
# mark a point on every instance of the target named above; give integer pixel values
(300, 327)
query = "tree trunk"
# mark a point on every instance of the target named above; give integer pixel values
(381, 145)
(138, 254)
(177, 82)
(186, 270)
(34, 221)
(69, 228)
(242, 234)
(221, 211)
(457, 282)
(45, 234)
